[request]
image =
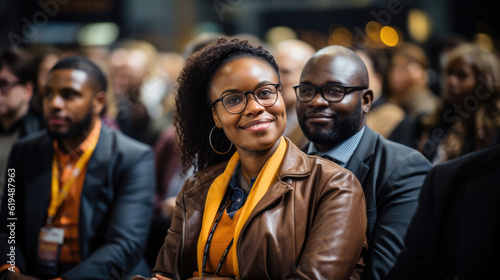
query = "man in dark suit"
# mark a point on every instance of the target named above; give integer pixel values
(333, 102)
(454, 233)
(78, 202)
(17, 119)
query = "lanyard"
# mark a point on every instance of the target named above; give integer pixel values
(221, 210)
(59, 195)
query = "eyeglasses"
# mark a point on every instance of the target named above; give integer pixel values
(235, 102)
(6, 86)
(329, 92)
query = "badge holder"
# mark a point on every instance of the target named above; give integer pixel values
(50, 241)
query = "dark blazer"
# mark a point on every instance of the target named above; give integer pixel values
(115, 210)
(454, 234)
(391, 175)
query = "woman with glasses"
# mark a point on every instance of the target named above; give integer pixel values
(257, 207)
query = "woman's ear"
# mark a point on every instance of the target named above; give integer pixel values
(216, 118)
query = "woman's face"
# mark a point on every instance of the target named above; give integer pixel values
(460, 81)
(257, 128)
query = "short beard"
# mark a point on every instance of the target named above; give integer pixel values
(78, 128)
(341, 130)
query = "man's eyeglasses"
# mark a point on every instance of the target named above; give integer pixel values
(329, 92)
(235, 102)
(6, 86)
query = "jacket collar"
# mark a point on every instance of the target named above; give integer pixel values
(95, 180)
(360, 160)
(294, 164)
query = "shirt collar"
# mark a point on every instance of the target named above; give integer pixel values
(342, 152)
(234, 183)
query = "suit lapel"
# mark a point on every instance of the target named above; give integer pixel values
(95, 180)
(37, 182)
(360, 160)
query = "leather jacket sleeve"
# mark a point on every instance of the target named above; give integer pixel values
(165, 263)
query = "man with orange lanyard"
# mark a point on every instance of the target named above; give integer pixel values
(82, 193)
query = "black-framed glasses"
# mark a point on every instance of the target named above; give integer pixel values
(5, 86)
(235, 102)
(329, 92)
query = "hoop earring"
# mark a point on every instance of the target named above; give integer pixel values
(212, 146)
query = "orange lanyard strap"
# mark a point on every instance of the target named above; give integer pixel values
(221, 210)
(59, 195)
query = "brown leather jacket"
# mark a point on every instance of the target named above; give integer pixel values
(311, 224)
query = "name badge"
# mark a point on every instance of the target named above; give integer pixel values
(49, 248)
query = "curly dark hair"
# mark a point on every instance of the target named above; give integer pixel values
(193, 119)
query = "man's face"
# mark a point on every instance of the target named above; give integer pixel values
(329, 123)
(13, 95)
(129, 69)
(70, 104)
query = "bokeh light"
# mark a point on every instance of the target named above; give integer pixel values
(98, 34)
(372, 29)
(389, 36)
(341, 36)
(419, 25)
(279, 33)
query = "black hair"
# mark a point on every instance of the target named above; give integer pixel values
(193, 118)
(20, 63)
(97, 77)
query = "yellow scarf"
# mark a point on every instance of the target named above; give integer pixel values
(216, 193)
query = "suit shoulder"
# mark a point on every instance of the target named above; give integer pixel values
(32, 143)
(400, 152)
(477, 162)
(33, 138)
(126, 144)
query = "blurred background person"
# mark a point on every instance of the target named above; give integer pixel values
(168, 164)
(131, 66)
(169, 66)
(384, 114)
(469, 117)
(16, 89)
(444, 46)
(45, 56)
(291, 56)
(408, 80)
(167, 155)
